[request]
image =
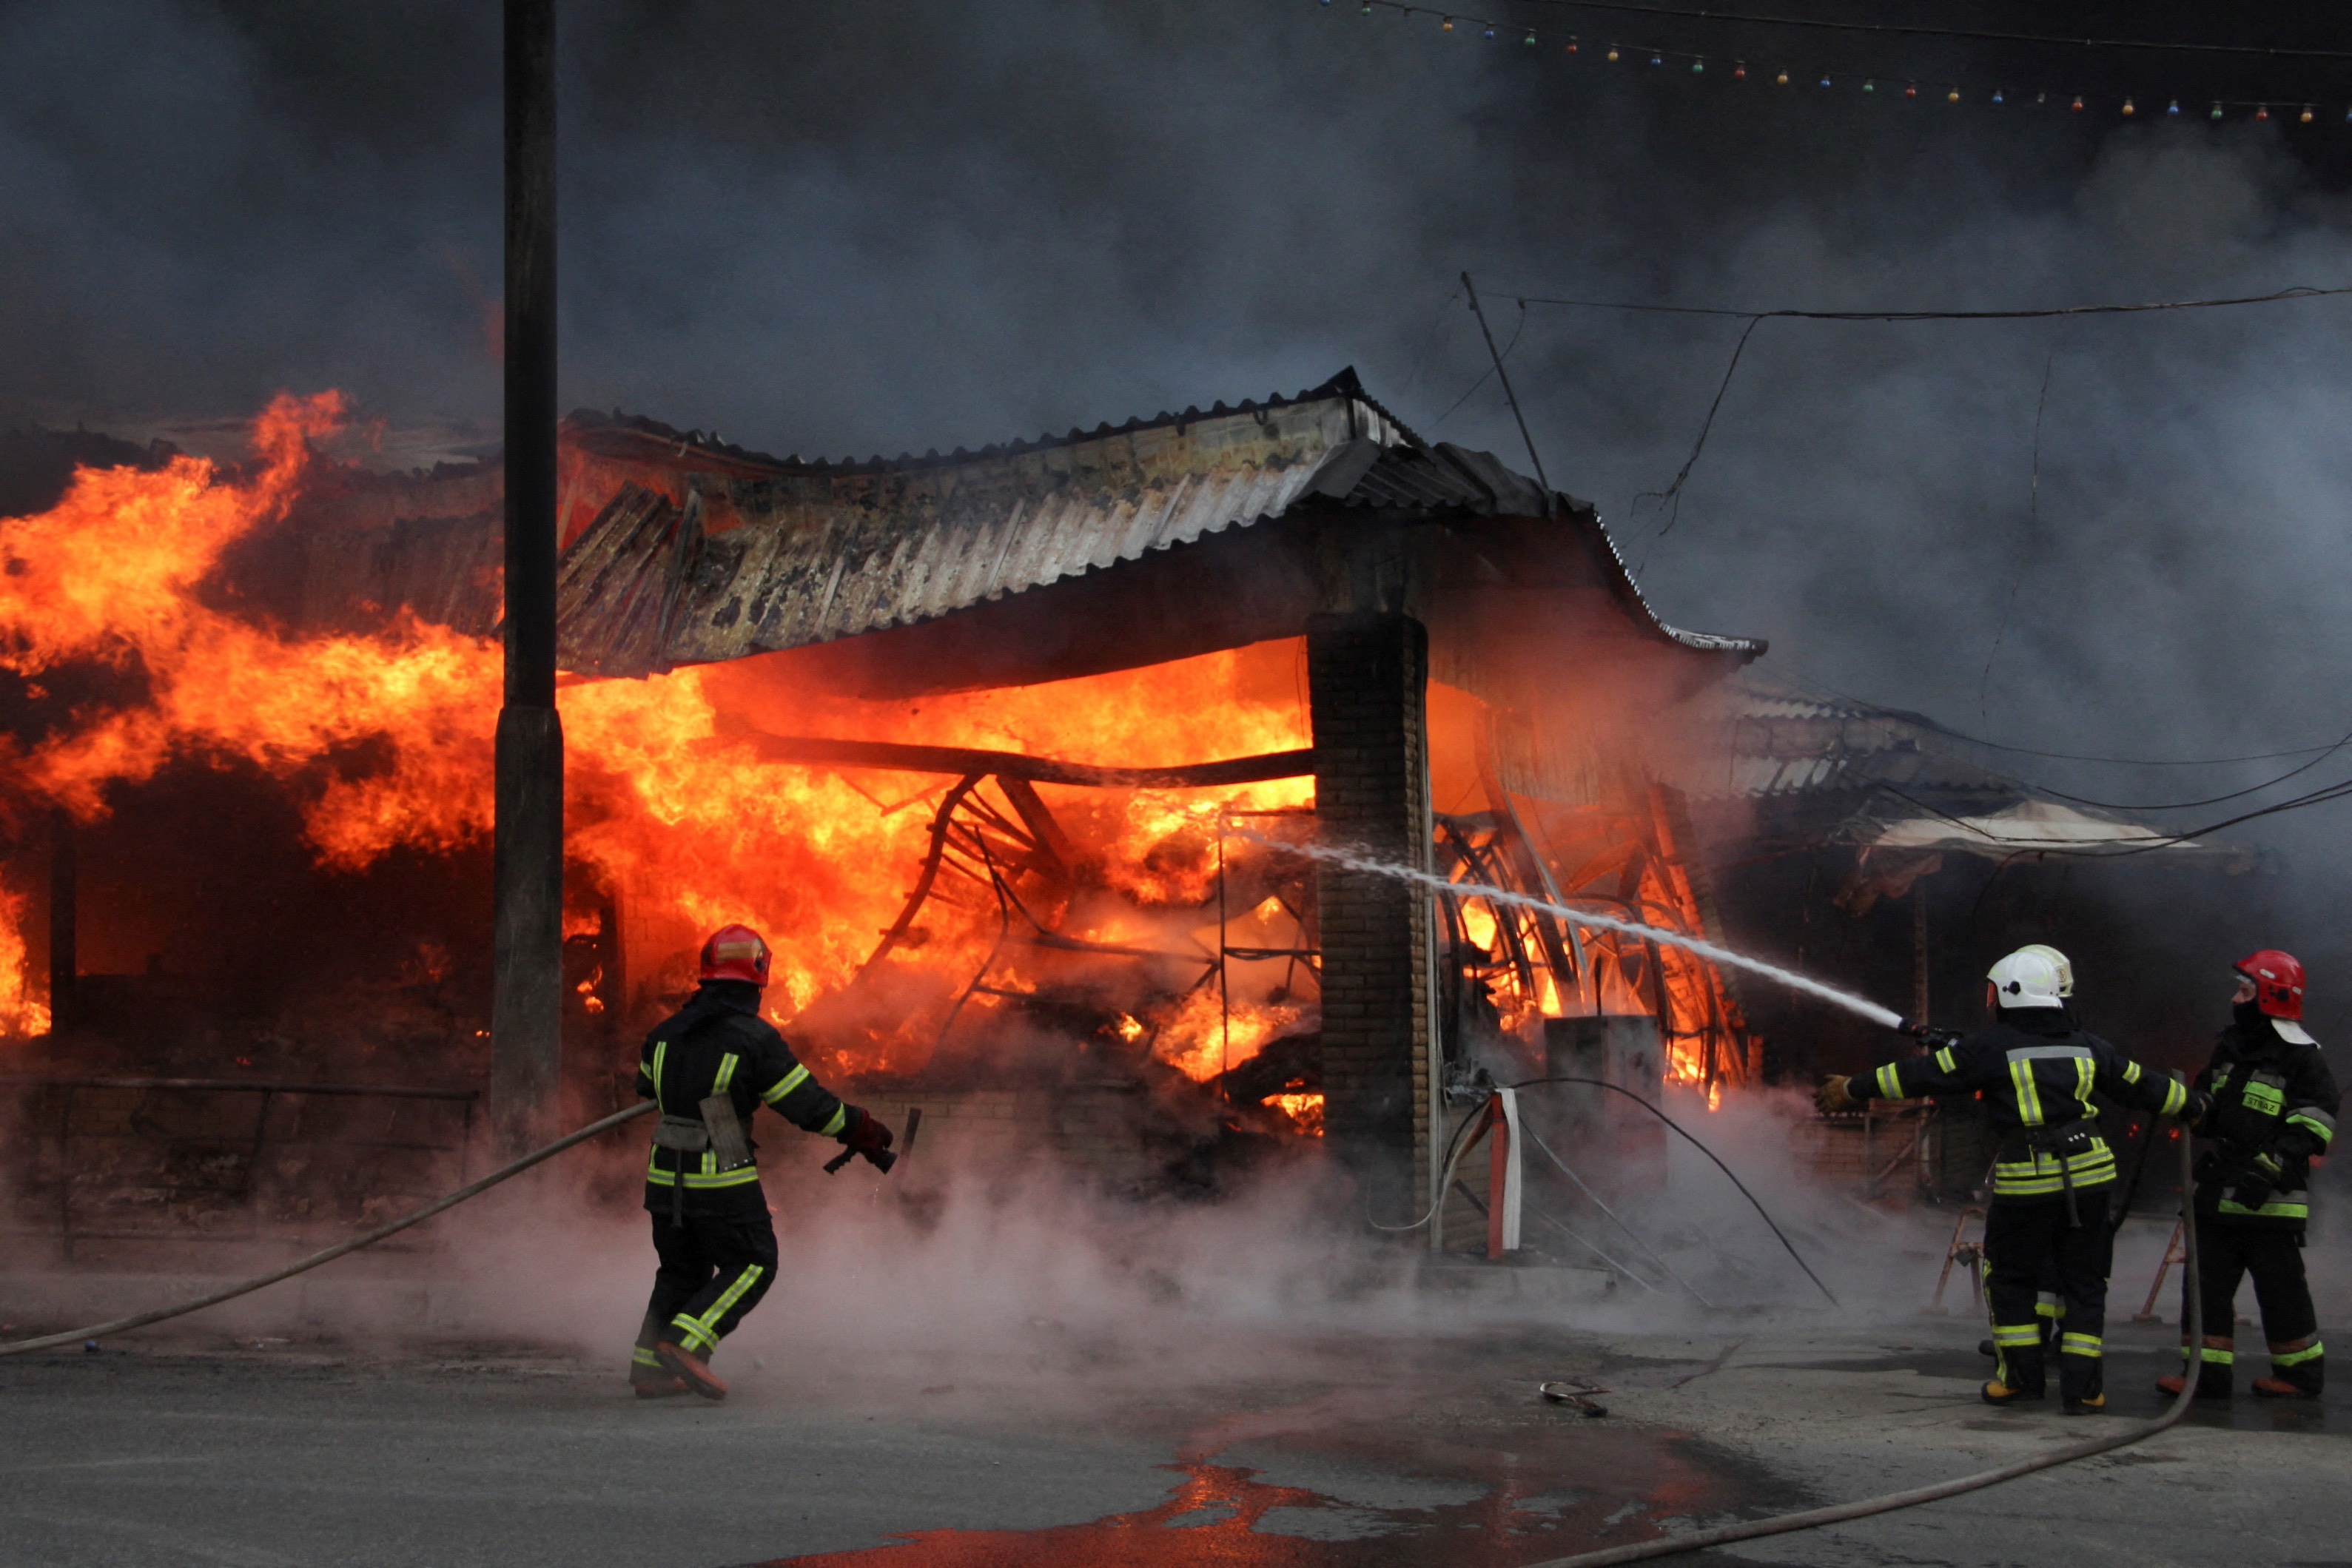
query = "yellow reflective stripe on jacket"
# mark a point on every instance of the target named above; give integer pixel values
(838, 1120)
(786, 1084)
(2275, 1208)
(661, 1049)
(2131, 1071)
(699, 1181)
(726, 1073)
(2029, 1098)
(2041, 1177)
(2176, 1095)
(1889, 1081)
(2316, 1122)
(1945, 1061)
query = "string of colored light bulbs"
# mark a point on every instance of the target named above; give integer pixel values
(1873, 84)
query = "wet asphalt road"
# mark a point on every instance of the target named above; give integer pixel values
(1361, 1450)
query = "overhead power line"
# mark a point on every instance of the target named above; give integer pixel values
(2298, 292)
(1979, 35)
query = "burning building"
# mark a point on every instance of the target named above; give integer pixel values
(1016, 755)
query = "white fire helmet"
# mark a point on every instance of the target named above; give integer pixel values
(2026, 979)
(2058, 961)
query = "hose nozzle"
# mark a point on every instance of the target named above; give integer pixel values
(1927, 1033)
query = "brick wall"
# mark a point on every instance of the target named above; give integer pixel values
(1367, 677)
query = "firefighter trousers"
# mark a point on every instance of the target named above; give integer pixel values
(713, 1269)
(2226, 1254)
(2027, 1243)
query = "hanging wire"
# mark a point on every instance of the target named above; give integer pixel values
(2125, 104)
(1979, 35)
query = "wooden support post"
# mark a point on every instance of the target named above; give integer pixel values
(527, 1007)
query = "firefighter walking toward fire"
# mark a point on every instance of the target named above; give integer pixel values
(708, 1067)
(2275, 1109)
(2052, 1172)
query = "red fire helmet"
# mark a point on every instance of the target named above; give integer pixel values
(736, 953)
(2278, 982)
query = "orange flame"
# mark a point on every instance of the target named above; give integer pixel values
(20, 1013)
(665, 801)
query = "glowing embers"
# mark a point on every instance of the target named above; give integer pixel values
(1082, 917)
(1304, 1108)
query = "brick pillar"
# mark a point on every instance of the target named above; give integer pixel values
(1367, 679)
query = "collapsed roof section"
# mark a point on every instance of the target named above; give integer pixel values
(1152, 540)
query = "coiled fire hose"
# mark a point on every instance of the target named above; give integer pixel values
(1782, 1524)
(367, 1239)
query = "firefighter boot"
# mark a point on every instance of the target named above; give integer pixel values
(649, 1379)
(2081, 1389)
(2298, 1370)
(2212, 1374)
(2017, 1374)
(690, 1367)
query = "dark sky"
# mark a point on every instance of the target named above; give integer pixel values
(835, 227)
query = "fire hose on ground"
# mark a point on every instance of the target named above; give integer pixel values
(1890, 1503)
(1717, 1535)
(328, 1255)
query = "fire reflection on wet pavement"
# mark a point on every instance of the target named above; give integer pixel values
(1555, 1493)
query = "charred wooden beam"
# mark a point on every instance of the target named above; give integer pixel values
(942, 820)
(892, 755)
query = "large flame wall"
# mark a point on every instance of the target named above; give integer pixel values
(386, 739)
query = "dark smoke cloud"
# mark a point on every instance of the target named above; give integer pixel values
(837, 228)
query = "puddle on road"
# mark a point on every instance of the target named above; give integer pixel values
(1555, 1493)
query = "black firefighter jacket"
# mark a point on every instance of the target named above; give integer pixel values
(2037, 1073)
(2270, 1095)
(719, 1044)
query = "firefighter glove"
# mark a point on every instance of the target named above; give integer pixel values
(864, 1134)
(2199, 1106)
(1835, 1094)
(2260, 1181)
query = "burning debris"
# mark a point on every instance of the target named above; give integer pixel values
(1002, 749)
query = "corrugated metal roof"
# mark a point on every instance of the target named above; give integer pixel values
(1827, 768)
(699, 551)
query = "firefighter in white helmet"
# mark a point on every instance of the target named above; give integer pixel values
(2052, 1173)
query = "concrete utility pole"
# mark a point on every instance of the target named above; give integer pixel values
(527, 1007)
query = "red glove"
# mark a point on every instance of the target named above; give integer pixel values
(861, 1134)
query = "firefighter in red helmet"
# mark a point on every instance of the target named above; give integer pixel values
(2275, 1109)
(708, 1067)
